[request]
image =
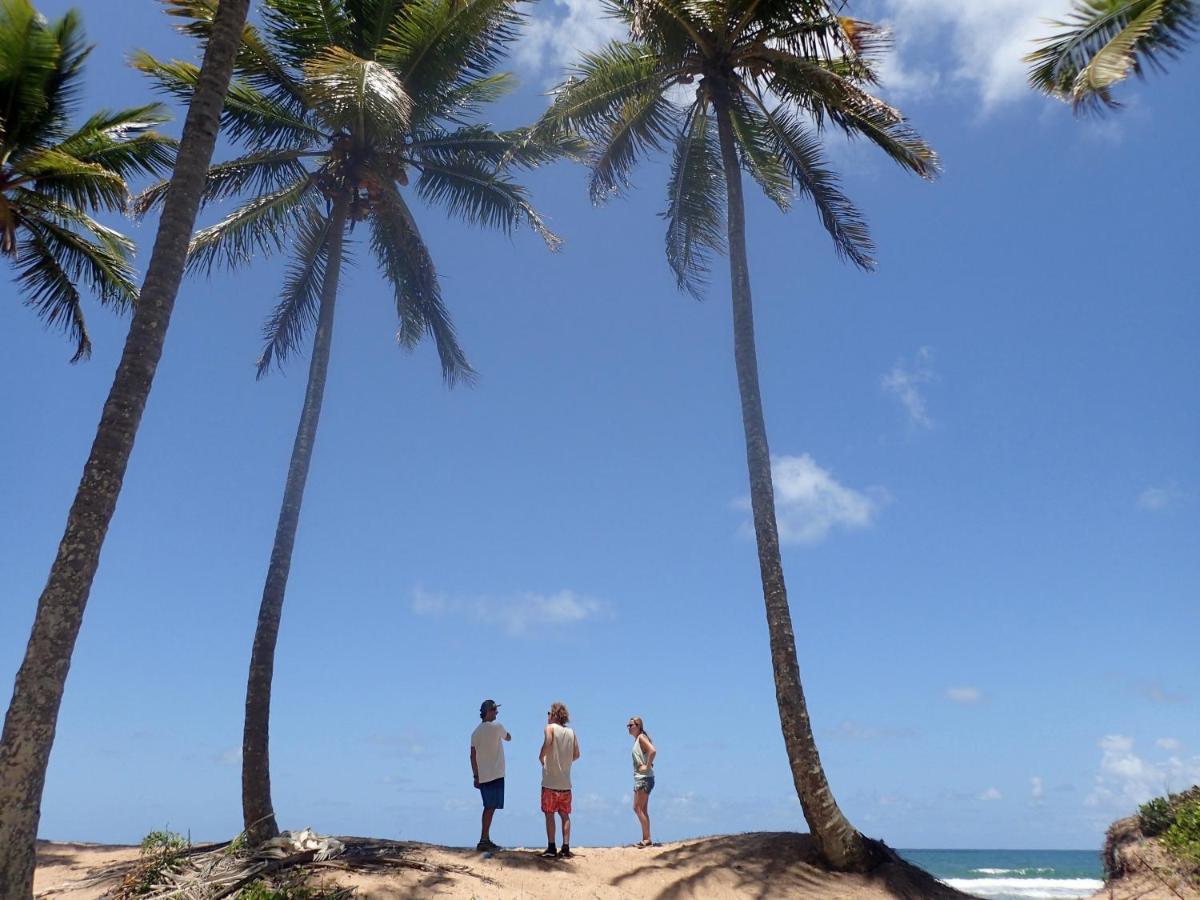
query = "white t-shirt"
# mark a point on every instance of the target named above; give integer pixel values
(556, 772)
(488, 741)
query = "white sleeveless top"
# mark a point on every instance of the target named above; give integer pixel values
(556, 772)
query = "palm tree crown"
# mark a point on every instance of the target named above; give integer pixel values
(782, 69)
(51, 176)
(1103, 41)
(352, 99)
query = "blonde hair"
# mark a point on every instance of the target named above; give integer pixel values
(558, 712)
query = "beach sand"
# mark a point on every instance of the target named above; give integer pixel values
(754, 866)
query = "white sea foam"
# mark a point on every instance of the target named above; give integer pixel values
(1011, 871)
(1028, 888)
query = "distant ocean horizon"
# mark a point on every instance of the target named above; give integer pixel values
(1015, 874)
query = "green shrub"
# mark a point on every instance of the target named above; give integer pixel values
(1156, 816)
(1183, 836)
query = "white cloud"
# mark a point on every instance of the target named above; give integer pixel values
(854, 731)
(555, 37)
(986, 40)
(991, 794)
(517, 614)
(1171, 744)
(809, 502)
(1156, 499)
(904, 382)
(967, 695)
(1125, 780)
(231, 757)
(1036, 788)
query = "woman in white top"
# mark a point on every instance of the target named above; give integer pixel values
(643, 776)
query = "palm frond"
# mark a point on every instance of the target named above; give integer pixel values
(1104, 41)
(459, 103)
(646, 121)
(51, 292)
(522, 147)
(123, 141)
(71, 180)
(41, 205)
(671, 27)
(249, 115)
(433, 45)
(261, 225)
(695, 202)
(30, 55)
(302, 29)
(409, 268)
(357, 95)
(757, 152)
(263, 172)
(800, 152)
(474, 192)
(600, 86)
(296, 313)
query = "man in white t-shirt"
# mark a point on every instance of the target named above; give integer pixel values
(487, 765)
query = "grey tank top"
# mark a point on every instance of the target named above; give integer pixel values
(556, 774)
(639, 759)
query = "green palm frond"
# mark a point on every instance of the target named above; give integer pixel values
(757, 152)
(521, 147)
(86, 184)
(1105, 41)
(357, 95)
(603, 82)
(800, 151)
(298, 30)
(249, 115)
(30, 58)
(646, 121)
(695, 202)
(476, 193)
(257, 173)
(261, 225)
(296, 313)
(123, 142)
(433, 45)
(106, 272)
(459, 103)
(40, 205)
(409, 268)
(51, 292)
(256, 64)
(672, 27)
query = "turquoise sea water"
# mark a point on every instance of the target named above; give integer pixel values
(1015, 874)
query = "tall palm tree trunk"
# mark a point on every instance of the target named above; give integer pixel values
(258, 814)
(32, 715)
(837, 840)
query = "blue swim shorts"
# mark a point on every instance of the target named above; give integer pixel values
(492, 793)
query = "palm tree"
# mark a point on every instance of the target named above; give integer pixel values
(733, 85)
(1103, 41)
(33, 713)
(52, 176)
(339, 103)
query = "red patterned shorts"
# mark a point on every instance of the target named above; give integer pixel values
(556, 801)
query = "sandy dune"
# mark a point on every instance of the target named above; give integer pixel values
(737, 867)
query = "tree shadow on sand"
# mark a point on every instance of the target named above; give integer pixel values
(775, 864)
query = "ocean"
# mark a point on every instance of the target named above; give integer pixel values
(1015, 874)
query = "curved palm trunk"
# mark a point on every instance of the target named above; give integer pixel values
(837, 840)
(257, 812)
(32, 715)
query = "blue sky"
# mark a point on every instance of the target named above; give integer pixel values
(986, 468)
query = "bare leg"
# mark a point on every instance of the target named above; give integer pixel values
(485, 832)
(566, 826)
(641, 801)
(549, 828)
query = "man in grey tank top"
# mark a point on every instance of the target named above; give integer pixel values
(560, 748)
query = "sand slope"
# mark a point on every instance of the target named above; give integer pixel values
(738, 867)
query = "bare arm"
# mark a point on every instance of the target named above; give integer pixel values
(576, 756)
(546, 743)
(648, 749)
(474, 767)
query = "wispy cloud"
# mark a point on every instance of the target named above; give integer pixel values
(515, 613)
(1155, 692)
(905, 382)
(991, 794)
(1126, 779)
(1156, 499)
(559, 32)
(231, 757)
(965, 695)
(407, 743)
(985, 40)
(1172, 744)
(1037, 790)
(810, 502)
